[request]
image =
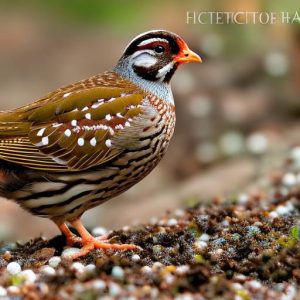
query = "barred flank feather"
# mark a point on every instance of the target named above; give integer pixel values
(66, 195)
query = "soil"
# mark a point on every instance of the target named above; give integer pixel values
(244, 247)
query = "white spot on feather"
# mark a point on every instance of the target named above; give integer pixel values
(119, 115)
(59, 161)
(127, 124)
(111, 131)
(108, 143)
(88, 116)
(80, 142)
(45, 141)
(68, 132)
(95, 105)
(74, 123)
(93, 142)
(67, 94)
(85, 108)
(41, 132)
(108, 117)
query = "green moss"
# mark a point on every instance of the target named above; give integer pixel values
(16, 280)
(287, 241)
(295, 233)
(194, 230)
(243, 294)
(199, 259)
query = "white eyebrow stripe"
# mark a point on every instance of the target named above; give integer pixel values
(148, 41)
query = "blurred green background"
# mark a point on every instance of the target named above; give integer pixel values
(236, 113)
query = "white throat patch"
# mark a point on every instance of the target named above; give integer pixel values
(164, 71)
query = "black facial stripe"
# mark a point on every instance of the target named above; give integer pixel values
(151, 73)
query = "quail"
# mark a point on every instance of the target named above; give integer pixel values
(90, 141)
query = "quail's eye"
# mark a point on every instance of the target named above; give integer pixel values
(159, 49)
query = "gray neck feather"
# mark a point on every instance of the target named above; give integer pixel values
(158, 88)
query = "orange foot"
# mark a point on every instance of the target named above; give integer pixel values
(89, 242)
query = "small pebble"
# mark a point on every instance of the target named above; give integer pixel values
(181, 270)
(135, 257)
(184, 296)
(237, 286)
(47, 270)
(254, 284)
(99, 284)
(257, 143)
(81, 276)
(117, 272)
(77, 267)
(146, 269)
(172, 222)
(7, 255)
(285, 209)
(54, 261)
(298, 177)
(78, 288)
(252, 230)
(90, 269)
(200, 245)
(204, 237)
(67, 253)
(225, 223)
(179, 212)
(15, 290)
(28, 275)
(219, 241)
(243, 199)
(273, 215)
(114, 289)
(86, 272)
(13, 268)
(289, 179)
(3, 292)
(99, 231)
(169, 279)
(42, 287)
(126, 228)
(157, 266)
(235, 236)
(240, 277)
(295, 153)
(290, 293)
(219, 251)
(215, 255)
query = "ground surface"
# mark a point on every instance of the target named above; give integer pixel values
(245, 247)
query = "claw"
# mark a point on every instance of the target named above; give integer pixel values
(89, 242)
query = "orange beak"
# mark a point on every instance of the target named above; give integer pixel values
(187, 55)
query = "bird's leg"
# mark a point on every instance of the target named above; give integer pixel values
(89, 242)
(71, 238)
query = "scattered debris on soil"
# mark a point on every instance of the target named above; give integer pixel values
(244, 247)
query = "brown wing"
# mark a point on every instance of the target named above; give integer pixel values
(72, 128)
